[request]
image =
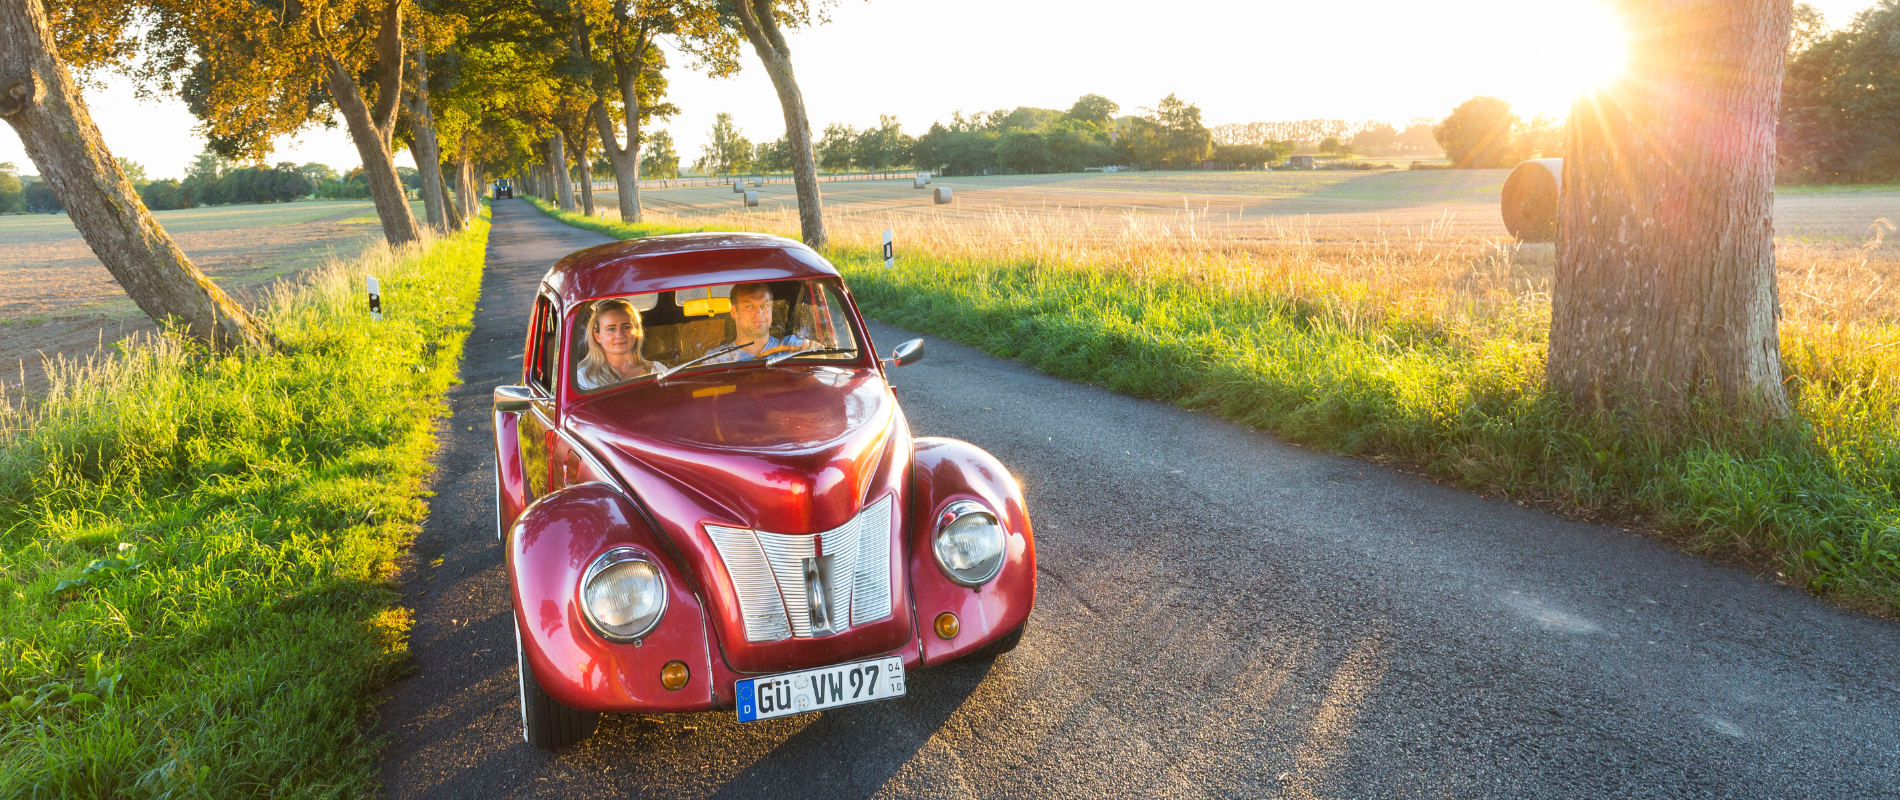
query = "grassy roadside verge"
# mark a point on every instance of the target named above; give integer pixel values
(1816, 498)
(194, 550)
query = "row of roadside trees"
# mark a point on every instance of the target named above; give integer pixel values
(474, 89)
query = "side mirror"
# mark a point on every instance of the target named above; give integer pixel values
(512, 399)
(907, 353)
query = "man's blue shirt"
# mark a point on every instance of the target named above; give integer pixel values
(770, 342)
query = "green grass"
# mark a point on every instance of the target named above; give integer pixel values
(1815, 497)
(196, 550)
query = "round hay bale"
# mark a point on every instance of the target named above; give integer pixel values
(942, 194)
(918, 182)
(738, 187)
(751, 199)
(1529, 202)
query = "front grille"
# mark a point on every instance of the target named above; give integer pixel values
(768, 572)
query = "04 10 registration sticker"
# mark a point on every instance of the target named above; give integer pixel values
(818, 689)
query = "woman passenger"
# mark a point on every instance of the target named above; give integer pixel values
(613, 355)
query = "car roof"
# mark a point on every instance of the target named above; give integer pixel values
(679, 261)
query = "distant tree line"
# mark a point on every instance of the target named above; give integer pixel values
(1840, 99)
(210, 181)
(1090, 134)
(1483, 133)
(1337, 136)
(1021, 140)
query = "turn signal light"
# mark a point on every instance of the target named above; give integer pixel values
(674, 675)
(947, 625)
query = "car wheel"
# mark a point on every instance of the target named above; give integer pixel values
(545, 723)
(1002, 645)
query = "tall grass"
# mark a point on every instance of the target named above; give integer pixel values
(1427, 348)
(195, 549)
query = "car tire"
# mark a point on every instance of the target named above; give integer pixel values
(1003, 644)
(545, 722)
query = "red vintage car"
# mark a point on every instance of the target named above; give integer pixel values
(710, 498)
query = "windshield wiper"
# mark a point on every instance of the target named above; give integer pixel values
(714, 354)
(777, 357)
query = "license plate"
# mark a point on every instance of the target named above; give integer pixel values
(818, 689)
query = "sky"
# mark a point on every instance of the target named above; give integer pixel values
(921, 60)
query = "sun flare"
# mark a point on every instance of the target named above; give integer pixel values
(1588, 48)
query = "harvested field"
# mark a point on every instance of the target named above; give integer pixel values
(57, 299)
(1342, 206)
(1388, 240)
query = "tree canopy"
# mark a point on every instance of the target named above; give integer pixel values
(1840, 99)
(1479, 133)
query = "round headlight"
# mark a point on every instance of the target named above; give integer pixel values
(970, 544)
(623, 594)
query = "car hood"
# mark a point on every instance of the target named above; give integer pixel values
(781, 449)
(800, 450)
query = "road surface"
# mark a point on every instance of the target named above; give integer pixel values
(1220, 614)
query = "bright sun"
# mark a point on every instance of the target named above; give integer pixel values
(1581, 45)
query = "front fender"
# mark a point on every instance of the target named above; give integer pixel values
(511, 482)
(549, 548)
(945, 471)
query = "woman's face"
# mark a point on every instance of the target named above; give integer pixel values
(616, 332)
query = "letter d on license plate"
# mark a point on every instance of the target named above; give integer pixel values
(817, 689)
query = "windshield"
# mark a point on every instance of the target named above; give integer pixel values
(622, 339)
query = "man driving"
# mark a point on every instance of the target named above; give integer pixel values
(752, 316)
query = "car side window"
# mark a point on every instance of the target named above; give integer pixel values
(547, 327)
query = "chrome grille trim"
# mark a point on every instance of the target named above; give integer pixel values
(871, 599)
(768, 573)
(751, 577)
(841, 549)
(787, 554)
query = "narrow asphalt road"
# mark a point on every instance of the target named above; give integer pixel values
(1220, 614)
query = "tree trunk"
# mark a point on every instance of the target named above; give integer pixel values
(423, 144)
(40, 100)
(557, 161)
(392, 206)
(465, 188)
(477, 184)
(581, 141)
(762, 30)
(587, 185)
(625, 160)
(1665, 281)
(450, 210)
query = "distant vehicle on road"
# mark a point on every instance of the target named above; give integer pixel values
(710, 499)
(504, 188)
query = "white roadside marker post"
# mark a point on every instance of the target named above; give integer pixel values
(375, 298)
(890, 255)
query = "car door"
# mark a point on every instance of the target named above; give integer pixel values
(536, 428)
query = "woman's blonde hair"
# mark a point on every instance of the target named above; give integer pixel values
(594, 366)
